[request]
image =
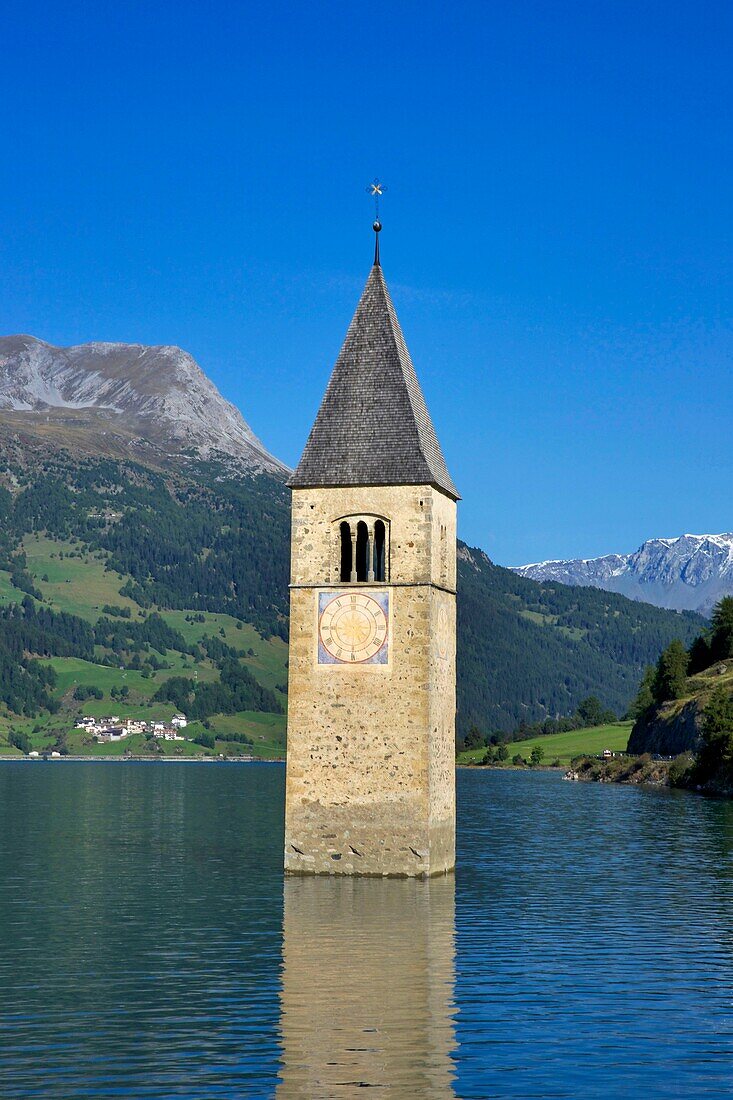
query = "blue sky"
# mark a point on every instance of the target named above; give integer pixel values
(557, 228)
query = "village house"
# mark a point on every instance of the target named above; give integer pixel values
(112, 729)
(112, 733)
(167, 733)
(133, 725)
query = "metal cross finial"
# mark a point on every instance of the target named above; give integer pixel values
(376, 189)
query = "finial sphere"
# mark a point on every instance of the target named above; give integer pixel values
(377, 227)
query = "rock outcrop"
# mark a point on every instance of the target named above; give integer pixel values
(669, 730)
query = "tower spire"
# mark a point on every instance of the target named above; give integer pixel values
(376, 189)
(373, 427)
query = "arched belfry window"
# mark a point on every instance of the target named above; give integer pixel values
(380, 548)
(362, 549)
(345, 544)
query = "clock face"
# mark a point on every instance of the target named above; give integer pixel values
(353, 627)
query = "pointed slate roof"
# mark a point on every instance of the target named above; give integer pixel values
(373, 427)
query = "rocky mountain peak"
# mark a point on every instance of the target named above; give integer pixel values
(142, 398)
(689, 572)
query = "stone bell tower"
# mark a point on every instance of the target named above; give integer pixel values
(371, 707)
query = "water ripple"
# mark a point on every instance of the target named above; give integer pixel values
(149, 947)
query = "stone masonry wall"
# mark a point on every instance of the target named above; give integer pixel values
(370, 776)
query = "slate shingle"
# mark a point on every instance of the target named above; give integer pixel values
(373, 427)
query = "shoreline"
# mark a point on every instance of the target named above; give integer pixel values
(4, 759)
(141, 760)
(513, 767)
(675, 774)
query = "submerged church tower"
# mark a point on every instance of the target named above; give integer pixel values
(372, 670)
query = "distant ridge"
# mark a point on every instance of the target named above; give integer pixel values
(144, 402)
(689, 572)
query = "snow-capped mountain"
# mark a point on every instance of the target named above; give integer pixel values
(123, 398)
(691, 572)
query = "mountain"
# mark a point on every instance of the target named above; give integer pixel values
(150, 404)
(131, 492)
(80, 535)
(691, 572)
(531, 650)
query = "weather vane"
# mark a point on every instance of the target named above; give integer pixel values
(376, 189)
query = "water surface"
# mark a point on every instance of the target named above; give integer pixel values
(149, 947)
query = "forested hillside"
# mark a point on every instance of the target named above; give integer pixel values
(206, 541)
(685, 703)
(529, 650)
(174, 586)
(128, 591)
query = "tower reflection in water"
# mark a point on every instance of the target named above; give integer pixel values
(367, 987)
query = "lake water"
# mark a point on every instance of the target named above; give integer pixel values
(149, 947)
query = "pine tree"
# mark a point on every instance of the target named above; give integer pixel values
(645, 695)
(700, 657)
(671, 673)
(591, 712)
(721, 638)
(717, 728)
(475, 739)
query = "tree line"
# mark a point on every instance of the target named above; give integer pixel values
(209, 543)
(667, 680)
(530, 651)
(590, 712)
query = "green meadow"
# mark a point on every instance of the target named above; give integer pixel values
(79, 585)
(82, 586)
(564, 746)
(268, 662)
(77, 582)
(8, 593)
(267, 731)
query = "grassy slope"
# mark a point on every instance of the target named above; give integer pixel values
(269, 663)
(8, 594)
(658, 732)
(700, 686)
(564, 746)
(82, 586)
